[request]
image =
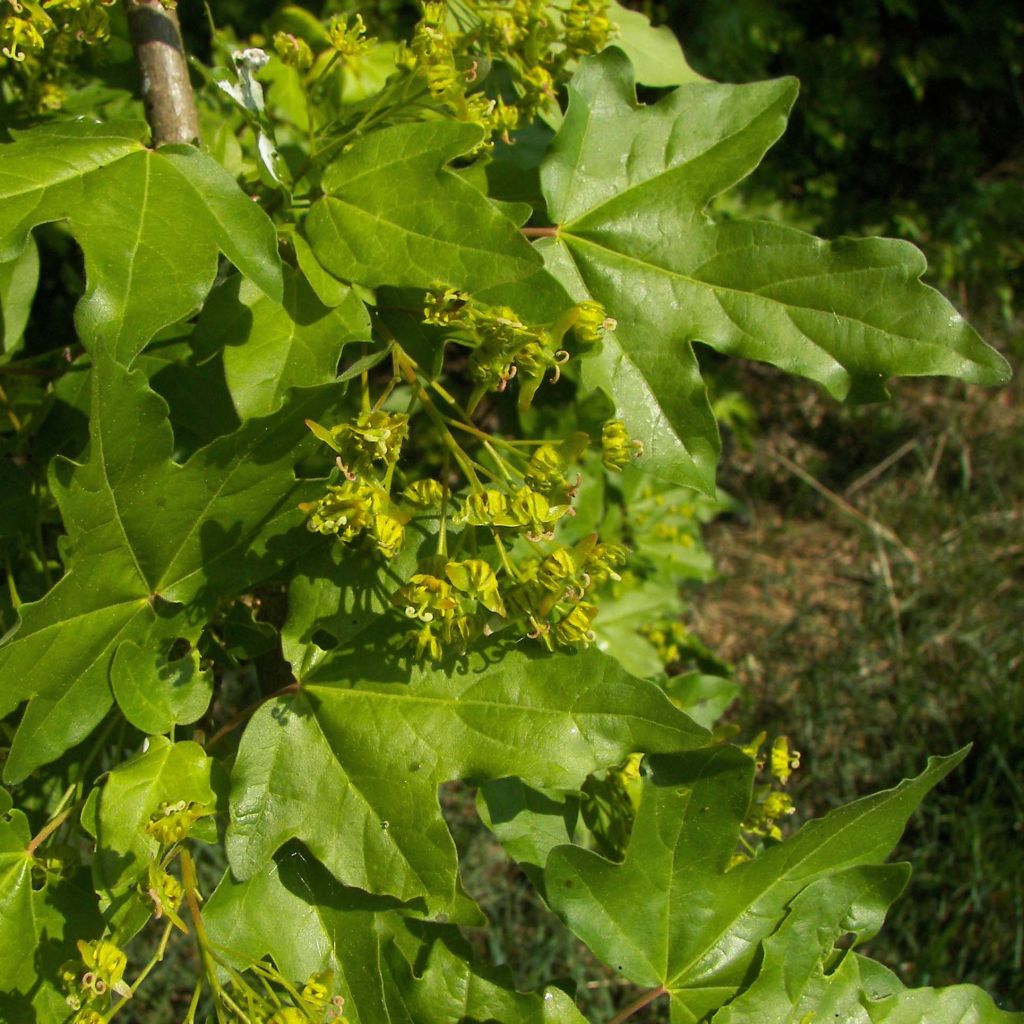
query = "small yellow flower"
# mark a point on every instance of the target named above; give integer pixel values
(532, 510)
(487, 508)
(348, 39)
(575, 629)
(592, 322)
(475, 578)
(424, 493)
(173, 822)
(424, 595)
(388, 532)
(105, 964)
(293, 51)
(427, 645)
(557, 570)
(783, 761)
(617, 447)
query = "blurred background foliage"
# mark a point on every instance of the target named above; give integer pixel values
(910, 123)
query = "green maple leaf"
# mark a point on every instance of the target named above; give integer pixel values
(164, 773)
(38, 928)
(342, 592)
(117, 813)
(150, 224)
(271, 347)
(156, 693)
(393, 215)
(804, 977)
(294, 912)
(19, 279)
(166, 540)
(672, 915)
(350, 765)
(628, 185)
(450, 989)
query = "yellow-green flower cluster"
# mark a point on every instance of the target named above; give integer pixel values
(770, 804)
(450, 77)
(535, 40)
(524, 509)
(90, 981)
(38, 40)
(165, 893)
(348, 37)
(539, 42)
(586, 27)
(342, 38)
(617, 447)
(504, 347)
(278, 1000)
(368, 450)
(376, 437)
(498, 564)
(544, 598)
(667, 638)
(174, 821)
(353, 509)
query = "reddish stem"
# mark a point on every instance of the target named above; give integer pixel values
(540, 232)
(236, 720)
(638, 1004)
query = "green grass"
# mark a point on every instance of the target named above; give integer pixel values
(884, 621)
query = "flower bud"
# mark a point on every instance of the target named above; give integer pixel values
(476, 579)
(591, 323)
(293, 51)
(557, 571)
(616, 445)
(388, 533)
(428, 493)
(575, 629)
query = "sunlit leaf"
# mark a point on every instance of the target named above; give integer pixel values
(674, 914)
(628, 185)
(393, 215)
(150, 224)
(351, 763)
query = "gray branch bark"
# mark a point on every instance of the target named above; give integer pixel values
(166, 89)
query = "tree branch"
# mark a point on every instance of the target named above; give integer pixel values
(166, 89)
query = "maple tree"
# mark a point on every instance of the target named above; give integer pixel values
(384, 410)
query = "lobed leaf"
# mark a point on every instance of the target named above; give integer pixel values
(628, 185)
(156, 693)
(673, 914)
(19, 279)
(151, 224)
(135, 791)
(394, 215)
(271, 347)
(655, 53)
(38, 928)
(296, 913)
(166, 540)
(350, 765)
(804, 974)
